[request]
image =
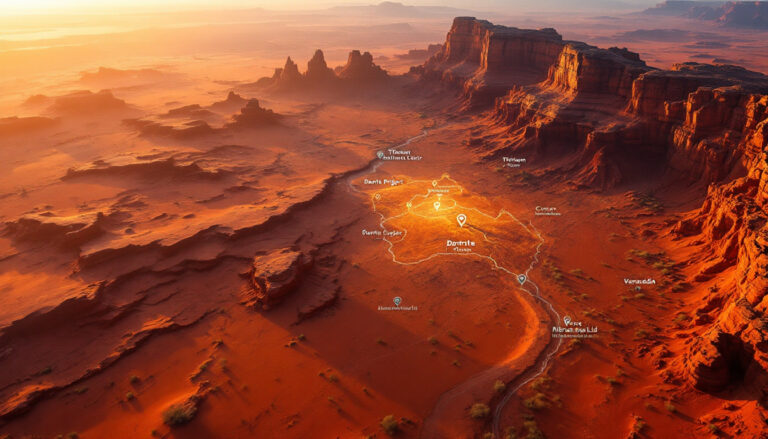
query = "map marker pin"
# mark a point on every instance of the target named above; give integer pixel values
(521, 278)
(434, 183)
(380, 154)
(437, 205)
(461, 218)
(397, 301)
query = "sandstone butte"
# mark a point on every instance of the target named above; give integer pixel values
(359, 70)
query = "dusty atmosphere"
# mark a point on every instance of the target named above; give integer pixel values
(385, 220)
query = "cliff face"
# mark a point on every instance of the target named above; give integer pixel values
(555, 96)
(731, 346)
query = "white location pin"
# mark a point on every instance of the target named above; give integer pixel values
(437, 205)
(521, 278)
(461, 219)
(377, 196)
(408, 205)
(434, 183)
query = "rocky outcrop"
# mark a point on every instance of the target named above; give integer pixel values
(359, 70)
(709, 119)
(145, 169)
(276, 274)
(290, 75)
(194, 111)
(318, 71)
(66, 232)
(233, 101)
(733, 346)
(87, 103)
(253, 116)
(188, 130)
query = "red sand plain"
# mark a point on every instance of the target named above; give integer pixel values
(125, 280)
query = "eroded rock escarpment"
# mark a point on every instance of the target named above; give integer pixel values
(610, 113)
(556, 97)
(359, 69)
(732, 346)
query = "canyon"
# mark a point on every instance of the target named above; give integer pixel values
(201, 262)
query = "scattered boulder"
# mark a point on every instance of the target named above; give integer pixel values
(276, 274)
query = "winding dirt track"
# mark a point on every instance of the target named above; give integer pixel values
(431, 427)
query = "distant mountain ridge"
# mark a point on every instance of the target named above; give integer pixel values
(745, 14)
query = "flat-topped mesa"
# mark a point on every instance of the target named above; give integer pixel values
(588, 69)
(653, 90)
(359, 69)
(494, 48)
(709, 118)
(487, 60)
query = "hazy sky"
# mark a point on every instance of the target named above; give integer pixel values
(74, 6)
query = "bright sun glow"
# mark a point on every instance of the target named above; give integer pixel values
(75, 6)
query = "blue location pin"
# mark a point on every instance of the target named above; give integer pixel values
(380, 154)
(397, 301)
(521, 278)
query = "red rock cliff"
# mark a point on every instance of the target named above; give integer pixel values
(558, 96)
(605, 108)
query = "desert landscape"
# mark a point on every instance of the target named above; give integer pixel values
(389, 220)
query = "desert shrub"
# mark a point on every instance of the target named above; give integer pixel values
(479, 411)
(499, 386)
(390, 425)
(179, 414)
(541, 383)
(533, 430)
(536, 402)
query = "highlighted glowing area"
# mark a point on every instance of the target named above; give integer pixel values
(425, 219)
